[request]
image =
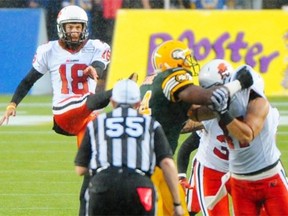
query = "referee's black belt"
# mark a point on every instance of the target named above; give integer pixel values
(120, 170)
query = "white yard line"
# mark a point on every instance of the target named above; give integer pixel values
(44, 119)
(29, 105)
(29, 120)
(283, 120)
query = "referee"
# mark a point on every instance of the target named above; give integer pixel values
(122, 149)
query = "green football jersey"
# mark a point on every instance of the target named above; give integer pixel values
(159, 99)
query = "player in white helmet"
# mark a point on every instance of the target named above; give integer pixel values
(77, 68)
(211, 160)
(215, 72)
(69, 15)
(258, 180)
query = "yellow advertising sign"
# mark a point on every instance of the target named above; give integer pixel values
(256, 38)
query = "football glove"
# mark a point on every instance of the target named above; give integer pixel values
(220, 98)
(242, 80)
(244, 76)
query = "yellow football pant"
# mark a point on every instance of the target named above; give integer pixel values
(165, 201)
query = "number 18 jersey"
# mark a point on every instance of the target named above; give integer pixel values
(66, 68)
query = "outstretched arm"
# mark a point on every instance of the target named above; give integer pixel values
(21, 91)
(217, 97)
(99, 100)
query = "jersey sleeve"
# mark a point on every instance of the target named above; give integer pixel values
(176, 80)
(102, 52)
(40, 58)
(258, 83)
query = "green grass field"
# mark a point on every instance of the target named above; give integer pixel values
(36, 165)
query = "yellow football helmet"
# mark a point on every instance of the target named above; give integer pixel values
(172, 54)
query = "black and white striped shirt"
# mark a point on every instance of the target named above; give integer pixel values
(123, 138)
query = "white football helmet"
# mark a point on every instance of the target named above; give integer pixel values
(72, 14)
(215, 72)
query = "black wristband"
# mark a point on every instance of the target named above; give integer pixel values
(177, 204)
(226, 118)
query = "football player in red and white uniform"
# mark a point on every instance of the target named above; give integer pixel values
(258, 181)
(211, 160)
(77, 68)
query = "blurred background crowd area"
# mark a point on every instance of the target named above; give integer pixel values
(102, 13)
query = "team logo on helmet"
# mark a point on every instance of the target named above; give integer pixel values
(223, 70)
(178, 54)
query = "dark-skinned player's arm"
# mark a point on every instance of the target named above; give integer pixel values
(218, 96)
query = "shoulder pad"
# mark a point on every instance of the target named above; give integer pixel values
(177, 78)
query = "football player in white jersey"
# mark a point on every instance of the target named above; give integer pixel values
(77, 68)
(257, 176)
(258, 181)
(211, 160)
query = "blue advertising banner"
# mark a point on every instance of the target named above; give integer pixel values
(19, 38)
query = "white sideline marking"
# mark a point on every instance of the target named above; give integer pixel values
(29, 120)
(44, 119)
(283, 120)
(29, 105)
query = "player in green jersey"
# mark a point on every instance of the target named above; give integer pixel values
(169, 94)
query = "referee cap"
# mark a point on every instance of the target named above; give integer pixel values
(126, 92)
